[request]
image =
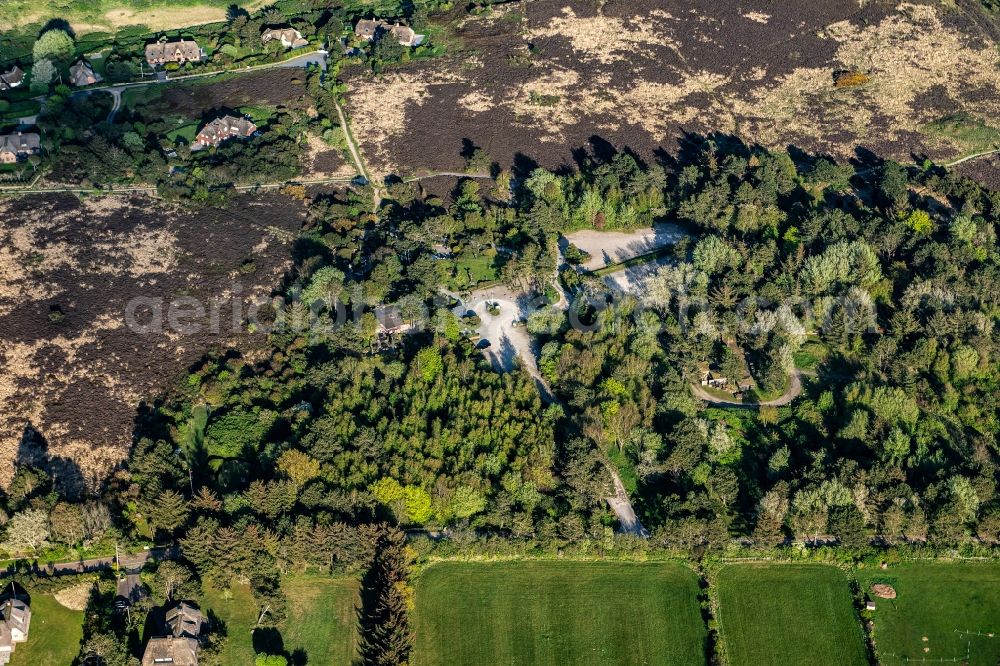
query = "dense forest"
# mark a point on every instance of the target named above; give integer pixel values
(876, 285)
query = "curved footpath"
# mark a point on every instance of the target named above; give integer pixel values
(794, 391)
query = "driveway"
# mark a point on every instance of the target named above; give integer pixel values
(632, 280)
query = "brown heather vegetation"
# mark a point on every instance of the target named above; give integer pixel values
(540, 77)
(71, 373)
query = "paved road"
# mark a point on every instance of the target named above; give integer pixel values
(620, 504)
(318, 57)
(131, 563)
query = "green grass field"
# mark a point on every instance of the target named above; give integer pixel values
(936, 601)
(776, 615)
(472, 270)
(557, 613)
(53, 637)
(320, 624)
(969, 133)
(187, 132)
(811, 354)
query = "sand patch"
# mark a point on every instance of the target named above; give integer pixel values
(757, 17)
(76, 597)
(906, 55)
(605, 39)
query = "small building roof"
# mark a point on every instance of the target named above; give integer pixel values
(82, 74)
(17, 614)
(184, 620)
(406, 36)
(20, 142)
(389, 317)
(171, 650)
(11, 78)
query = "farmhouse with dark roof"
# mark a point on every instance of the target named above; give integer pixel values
(82, 74)
(12, 78)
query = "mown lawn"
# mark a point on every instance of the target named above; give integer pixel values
(776, 615)
(470, 270)
(321, 618)
(936, 601)
(53, 637)
(320, 628)
(557, 613)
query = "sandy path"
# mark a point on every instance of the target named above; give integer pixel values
(794, 391)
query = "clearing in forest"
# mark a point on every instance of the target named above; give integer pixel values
(320, 629)
(557, 613)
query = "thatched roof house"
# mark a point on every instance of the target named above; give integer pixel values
(14, 147)
(171, 650)
(290, 38)
(222, 129)
(373, 30)
(184, 620)
(82, 74)
(179, 51)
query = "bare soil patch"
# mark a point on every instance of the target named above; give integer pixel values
(640, 75)
(72, 373)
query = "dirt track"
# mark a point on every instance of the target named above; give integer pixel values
(794, 391)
